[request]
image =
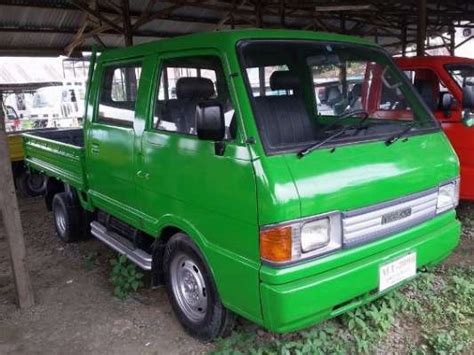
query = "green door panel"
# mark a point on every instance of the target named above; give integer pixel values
(110, 161)
(182, 182)
(214, 194)
(111, 153)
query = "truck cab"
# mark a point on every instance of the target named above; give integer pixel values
(442, 82)
(209, 161)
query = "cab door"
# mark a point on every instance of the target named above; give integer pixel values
(432, 84)
(110, 142)
(188, 183)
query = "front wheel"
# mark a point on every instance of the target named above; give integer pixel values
(192, 292)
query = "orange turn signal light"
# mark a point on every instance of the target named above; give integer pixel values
(275, 244)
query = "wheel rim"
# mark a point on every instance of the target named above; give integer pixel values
(60, 218)
(189, 287)
(35, 182)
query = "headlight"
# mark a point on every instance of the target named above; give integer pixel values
(448, 196)
(301, 239)
(315, 235)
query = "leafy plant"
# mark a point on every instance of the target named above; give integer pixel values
(449, 342)
(124, 277)
(439, 303)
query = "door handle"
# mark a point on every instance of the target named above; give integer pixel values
(143, 175)
(95, 148)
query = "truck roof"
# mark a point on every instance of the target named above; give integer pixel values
(432, 60)
(222, 39)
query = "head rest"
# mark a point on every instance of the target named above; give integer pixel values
(194, 88)
(357, 90)
(424, 87)
(284, 80)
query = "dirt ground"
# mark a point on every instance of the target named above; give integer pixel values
(76, 311)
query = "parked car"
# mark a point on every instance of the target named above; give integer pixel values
(28, 183)
(279, 214)
(446, 85)
(12, 121)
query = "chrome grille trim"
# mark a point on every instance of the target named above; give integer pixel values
(365, 224)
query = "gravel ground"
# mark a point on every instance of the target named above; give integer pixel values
(75, 310)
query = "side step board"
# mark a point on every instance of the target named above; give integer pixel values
(122, 245)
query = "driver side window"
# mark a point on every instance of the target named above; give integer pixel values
(428, 85)
(186, 82)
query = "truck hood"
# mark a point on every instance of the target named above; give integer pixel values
(364, 174)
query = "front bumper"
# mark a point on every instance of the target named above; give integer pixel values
(302, 295)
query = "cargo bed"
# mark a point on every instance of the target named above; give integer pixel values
(58, 153)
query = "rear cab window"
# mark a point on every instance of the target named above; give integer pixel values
(118, 94)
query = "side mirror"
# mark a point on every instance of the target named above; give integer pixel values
(468, 106)
(11, 113)
(446, 103)
(210, 123)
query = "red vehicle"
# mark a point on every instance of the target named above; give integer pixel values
(446, 85)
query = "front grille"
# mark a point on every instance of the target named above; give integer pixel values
(388, 218)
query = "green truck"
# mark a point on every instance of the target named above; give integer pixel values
(210, 161)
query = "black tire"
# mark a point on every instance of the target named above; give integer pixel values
(68, 218)
(31, 184)
(217, 321)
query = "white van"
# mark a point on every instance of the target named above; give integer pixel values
(58, 106)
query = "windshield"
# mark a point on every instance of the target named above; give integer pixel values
(463, 74)
(302, 92)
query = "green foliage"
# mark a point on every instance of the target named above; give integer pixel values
(324, 339)
(439, 304)
(369, 323)
(124, 277)
(449, 341)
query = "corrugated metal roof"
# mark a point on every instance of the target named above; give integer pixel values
(48, 26)
(15, 72)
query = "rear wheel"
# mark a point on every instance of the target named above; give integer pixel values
(31, 184)
(68, 218)
(192, 291)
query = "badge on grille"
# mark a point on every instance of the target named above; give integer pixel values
(395, 216)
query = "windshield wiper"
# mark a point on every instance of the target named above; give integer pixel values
(392, 139)
(319, 144)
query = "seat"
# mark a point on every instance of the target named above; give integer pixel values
(284, 119)
(334, 95)
(182, 110)
(355, 97)
(425, 89)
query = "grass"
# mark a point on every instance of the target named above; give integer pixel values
(434, 314)
(435, 311)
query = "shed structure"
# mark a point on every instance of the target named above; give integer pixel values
(68, 27)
